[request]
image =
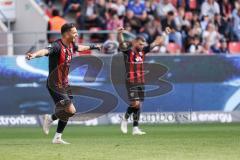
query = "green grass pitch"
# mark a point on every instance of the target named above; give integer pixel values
(162, 142)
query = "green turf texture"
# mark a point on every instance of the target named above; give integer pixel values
(162, 142)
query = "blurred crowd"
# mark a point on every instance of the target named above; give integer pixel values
(198, 26)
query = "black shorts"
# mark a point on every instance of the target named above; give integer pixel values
(62, 97)
(135, 92)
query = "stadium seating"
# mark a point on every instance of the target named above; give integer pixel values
(174, 2)
(173, 48)
(234, 47)
(192, 4)
(188, 15)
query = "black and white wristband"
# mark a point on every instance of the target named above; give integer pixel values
(93, 46)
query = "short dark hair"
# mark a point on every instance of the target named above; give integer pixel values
(55, 12)
(67, 27)
(140, 38)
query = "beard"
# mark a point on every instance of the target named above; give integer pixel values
(139, 49)
(73, 40)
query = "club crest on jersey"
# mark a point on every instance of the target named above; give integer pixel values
(138, 59)
(68, 58)
(132, 94)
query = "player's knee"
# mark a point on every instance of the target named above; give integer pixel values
(136, 104)
(71, 109)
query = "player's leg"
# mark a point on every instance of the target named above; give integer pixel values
(48, 119)
(128, 113)
(131, 93)
(63, 110)
(137, 111)
(63, 115)
(136, 115)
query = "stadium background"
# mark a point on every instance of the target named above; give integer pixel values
(201, 56)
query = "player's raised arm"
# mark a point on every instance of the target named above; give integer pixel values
(39, 53)
(123, 45)
(120, 35)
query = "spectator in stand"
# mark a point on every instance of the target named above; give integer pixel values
(133, 23)
(206, 48)
(110, 46)
(152, 29)
(222, 25)
(184, 3)
(204, 22)
(121, 8)
(225, 9)
(161, 48)
(114, 21)
(199, 4)
(195, 18)
(236, 23)
(54, 25)
(151, 6)
(102, 11)
(175, 35)
(236, 7)
(164, 7)
(220, 48)
(139, 10)
(89, 16)
(128, 27)
(72, 5)
(211, 36)
(197, 28)
(195, 46)
(102, 7)
(181, 20)
(236, 4)
(218, 18)
(188, 36)
(210, 8)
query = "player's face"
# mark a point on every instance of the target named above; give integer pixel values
(73, 34)
(139, 45)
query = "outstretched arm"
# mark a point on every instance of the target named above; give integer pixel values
(90, 47)
(37, 54)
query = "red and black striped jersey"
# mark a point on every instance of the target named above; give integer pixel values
(60, 57)
(134, 65)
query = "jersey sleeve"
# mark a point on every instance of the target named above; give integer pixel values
(53, 48)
